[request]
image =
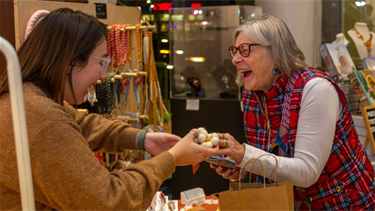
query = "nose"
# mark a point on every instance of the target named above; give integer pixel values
(237, 58)
(103, 76)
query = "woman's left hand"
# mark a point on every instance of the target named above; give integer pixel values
(231, 174)
(230, 147)
(157, 142)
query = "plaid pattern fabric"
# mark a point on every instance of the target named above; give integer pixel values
(255, 123)
(347, 181)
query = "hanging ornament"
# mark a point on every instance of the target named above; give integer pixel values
(91, 95)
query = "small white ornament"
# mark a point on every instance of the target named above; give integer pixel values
(209, 135)
(214, 141)
(204, 144)
(201, 138)
(200, 129)
(209, 145)
(204, 132)
(214, 135)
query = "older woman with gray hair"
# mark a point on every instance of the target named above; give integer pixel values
(300, 115)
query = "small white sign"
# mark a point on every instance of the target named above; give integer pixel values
(192, 105)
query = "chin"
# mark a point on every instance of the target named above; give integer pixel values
(249, 87)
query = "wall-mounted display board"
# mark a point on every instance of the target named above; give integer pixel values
(368, 114)
(24, 9)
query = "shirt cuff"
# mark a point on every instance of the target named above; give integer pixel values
(140, 140)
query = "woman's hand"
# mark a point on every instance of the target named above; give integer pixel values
(226, 173)
(156, 143)
(230, 147)
(187, 152)
(231, 174)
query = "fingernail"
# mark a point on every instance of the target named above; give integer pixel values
(220, 151)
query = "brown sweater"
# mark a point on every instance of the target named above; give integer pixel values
(66, 174)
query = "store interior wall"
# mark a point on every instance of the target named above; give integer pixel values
(303, 20)
(222, 116)
(6, 27)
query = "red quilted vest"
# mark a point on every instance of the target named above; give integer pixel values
(347, 180)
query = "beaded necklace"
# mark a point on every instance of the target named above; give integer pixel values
(113, 46)
(110, 39)
(130, 34)
(138, 36)
(367, 43)
(124, 45)
(145, 47)
(117, 43)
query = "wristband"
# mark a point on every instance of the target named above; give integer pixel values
(140, 142)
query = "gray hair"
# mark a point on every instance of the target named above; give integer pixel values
(273, 33)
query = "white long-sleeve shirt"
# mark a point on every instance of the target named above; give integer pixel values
(320, 109)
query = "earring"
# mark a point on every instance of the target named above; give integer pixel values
(275, 71)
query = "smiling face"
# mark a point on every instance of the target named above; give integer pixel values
(256, 69)
(84, 77)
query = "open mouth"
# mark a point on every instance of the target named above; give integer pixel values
(246, 73)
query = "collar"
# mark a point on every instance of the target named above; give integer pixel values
(277, 87)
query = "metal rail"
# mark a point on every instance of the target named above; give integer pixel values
(19, 125)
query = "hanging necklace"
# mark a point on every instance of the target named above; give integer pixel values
(139, 39)
(129, 44)
(367, 43)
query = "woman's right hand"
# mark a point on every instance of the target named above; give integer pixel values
(187, 152)
(231, 148)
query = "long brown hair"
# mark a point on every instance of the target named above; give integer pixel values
(61, 40)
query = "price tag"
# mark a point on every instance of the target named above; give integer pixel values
(138, 80)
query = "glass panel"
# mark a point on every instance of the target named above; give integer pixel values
(339, 18)
(164, 17)
(354, 12)
(199, 51)
(148, 17)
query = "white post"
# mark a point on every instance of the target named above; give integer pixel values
(19, 125)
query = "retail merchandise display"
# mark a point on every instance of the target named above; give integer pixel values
(338, 61)
(129, 94)
(341, 67)
(340, 38)
(368, 63)
(368, 114)
(362, 38)
(364, 84)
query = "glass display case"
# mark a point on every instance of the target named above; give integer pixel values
(340, 17)
(200, 37)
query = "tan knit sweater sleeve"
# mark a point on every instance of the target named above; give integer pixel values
(111, 136)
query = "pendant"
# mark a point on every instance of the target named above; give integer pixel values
(196, 83)
(225, 79)
(368, 45)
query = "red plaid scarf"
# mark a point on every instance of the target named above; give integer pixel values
(347, 180)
